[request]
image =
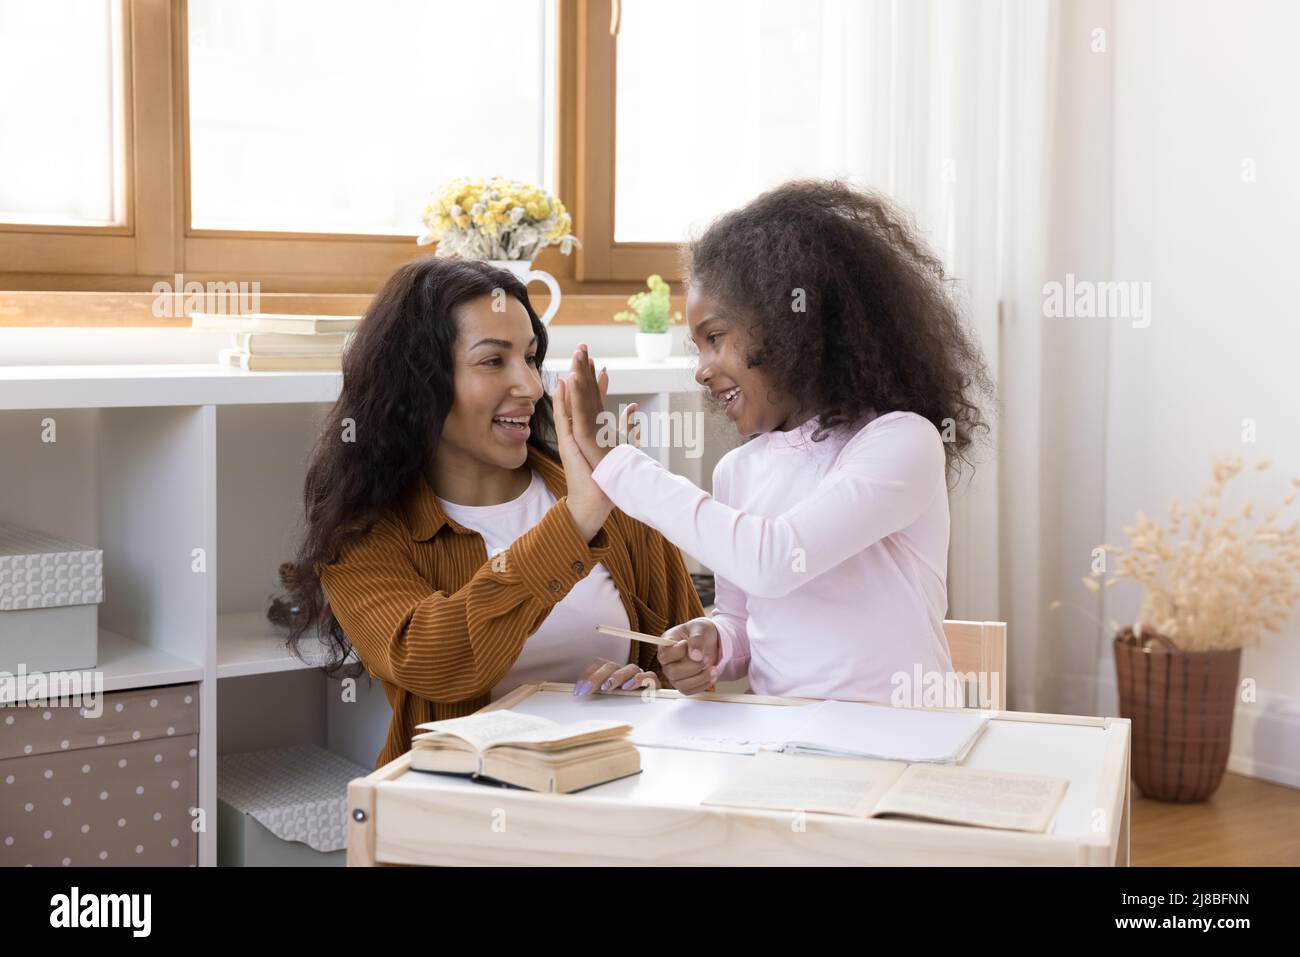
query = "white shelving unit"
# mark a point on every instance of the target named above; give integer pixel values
(189, 477)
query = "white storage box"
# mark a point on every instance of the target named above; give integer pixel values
(283, 807)
(50, 592)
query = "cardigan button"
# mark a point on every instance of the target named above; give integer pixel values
(553, 585)
(578, 567)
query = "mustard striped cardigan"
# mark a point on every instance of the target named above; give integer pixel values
(439, 624)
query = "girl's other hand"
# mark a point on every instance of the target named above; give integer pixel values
(690, 663)
(605, 675)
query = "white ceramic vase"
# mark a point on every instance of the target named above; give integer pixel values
(524, 271)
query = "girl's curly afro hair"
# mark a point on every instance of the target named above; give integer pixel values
(848, 311)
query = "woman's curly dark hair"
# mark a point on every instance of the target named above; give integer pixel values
(381, 433)
(878, 331)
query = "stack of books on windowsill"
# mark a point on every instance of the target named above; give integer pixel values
(269, 342)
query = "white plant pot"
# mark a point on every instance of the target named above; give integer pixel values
(654, 346)
(525, 272)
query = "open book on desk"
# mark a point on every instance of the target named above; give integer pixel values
(864, 788)
(843, 728)
(526, 750)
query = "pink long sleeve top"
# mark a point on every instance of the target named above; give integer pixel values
(829, 557)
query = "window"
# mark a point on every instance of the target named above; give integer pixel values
(324, 116)
(743, 95)
(711, 104)
(295, 143)
(62, 143)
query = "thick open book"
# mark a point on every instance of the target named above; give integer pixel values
(527, 751)
(865, 788)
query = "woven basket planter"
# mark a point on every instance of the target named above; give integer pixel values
(1181, 705)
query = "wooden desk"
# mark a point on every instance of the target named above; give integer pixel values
(401, 816)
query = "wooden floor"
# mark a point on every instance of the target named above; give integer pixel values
(1246, 822)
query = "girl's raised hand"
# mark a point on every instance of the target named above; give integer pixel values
(629, 429)
(605, 675)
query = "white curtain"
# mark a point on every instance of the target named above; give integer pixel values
(946, 106)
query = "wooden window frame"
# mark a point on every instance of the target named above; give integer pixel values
(156, 240)
(602, 259)
(138, 243)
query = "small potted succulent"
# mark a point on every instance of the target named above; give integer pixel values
(1208, 590)
(652, 313)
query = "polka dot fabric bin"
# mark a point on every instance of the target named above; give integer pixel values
(115, 788)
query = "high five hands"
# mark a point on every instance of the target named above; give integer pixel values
(690, 663)
(579, 403)
(588, 505)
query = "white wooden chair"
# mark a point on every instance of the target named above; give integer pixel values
(979, 650)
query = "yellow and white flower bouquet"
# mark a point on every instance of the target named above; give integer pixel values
(496, 219)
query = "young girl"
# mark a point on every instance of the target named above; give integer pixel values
(827, 335)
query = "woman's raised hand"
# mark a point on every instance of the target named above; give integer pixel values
(588, 505)
(586, 394)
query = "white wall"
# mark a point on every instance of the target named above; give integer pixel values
(1201, 87)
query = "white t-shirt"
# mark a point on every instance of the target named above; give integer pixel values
(567, 641)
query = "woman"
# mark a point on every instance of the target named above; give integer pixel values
(450, 543)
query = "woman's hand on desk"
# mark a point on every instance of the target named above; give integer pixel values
(691, 661)
(605, 675)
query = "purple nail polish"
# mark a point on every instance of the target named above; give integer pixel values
(629, 684)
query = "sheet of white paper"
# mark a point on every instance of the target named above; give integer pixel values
(890, 734)
(695, 725)
(824, 727)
